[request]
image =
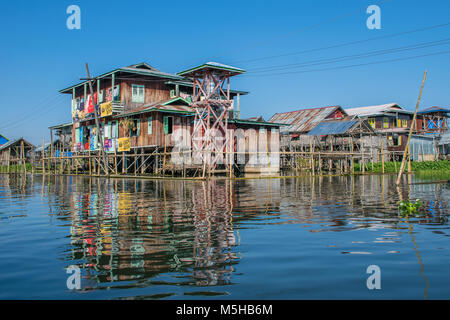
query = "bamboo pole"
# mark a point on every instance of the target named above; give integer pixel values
(402, 167)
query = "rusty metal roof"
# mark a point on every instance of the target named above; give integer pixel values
(303, 120)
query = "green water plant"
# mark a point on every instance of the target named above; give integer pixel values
(408, 208)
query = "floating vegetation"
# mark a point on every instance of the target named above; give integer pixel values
(408, 208)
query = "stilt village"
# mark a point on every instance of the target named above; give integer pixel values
(139, 121)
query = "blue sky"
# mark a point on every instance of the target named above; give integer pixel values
(40, 55)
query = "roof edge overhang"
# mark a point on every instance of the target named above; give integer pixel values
(126, 70)
(233, 70)
(190, 85)
(60, 126)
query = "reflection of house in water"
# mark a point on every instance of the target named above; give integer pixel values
(139, 229)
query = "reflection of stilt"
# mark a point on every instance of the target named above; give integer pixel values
(410, 231)
(419, 259)
(214, 236)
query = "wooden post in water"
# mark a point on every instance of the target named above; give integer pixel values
(402, 167)
(409, 162)
(164, 159)
(22, 157)
(312, 156)
(352, 166)
(90, 166)
(382, 155)
(115, 161)
(135, 162)
(43, 155)
(123, 163)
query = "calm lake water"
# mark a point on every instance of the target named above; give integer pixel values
(294, 238)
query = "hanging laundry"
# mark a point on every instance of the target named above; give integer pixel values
(86, 105)
(90, 104)
(108, 94)
(108, 144)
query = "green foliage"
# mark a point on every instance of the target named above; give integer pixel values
(408, 208)
(15, 168)
(390, 167)
(303, 163)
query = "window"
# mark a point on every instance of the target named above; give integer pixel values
(137, 93)
(372, 122)
(168, 124)
(114, 130)
(150, 125)
(399, 123)
(395, 140)
(404, 123)
(172, 94)
(107, 131)
(385, 123)
(100, 96)
(135, 131)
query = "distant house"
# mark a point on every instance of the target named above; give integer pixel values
(64, 134)
(12, 150)
(334, 135)
(390, 120)
(432, 120)
(3, 140)
(298, 123)
(423, 147)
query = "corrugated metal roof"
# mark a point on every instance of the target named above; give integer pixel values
(213, 65)
(13, 142)
(60, 126)
(376, 110)
(3, 140)
(46, 145)
(331, 127)
(434, 109)
(302, 120)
